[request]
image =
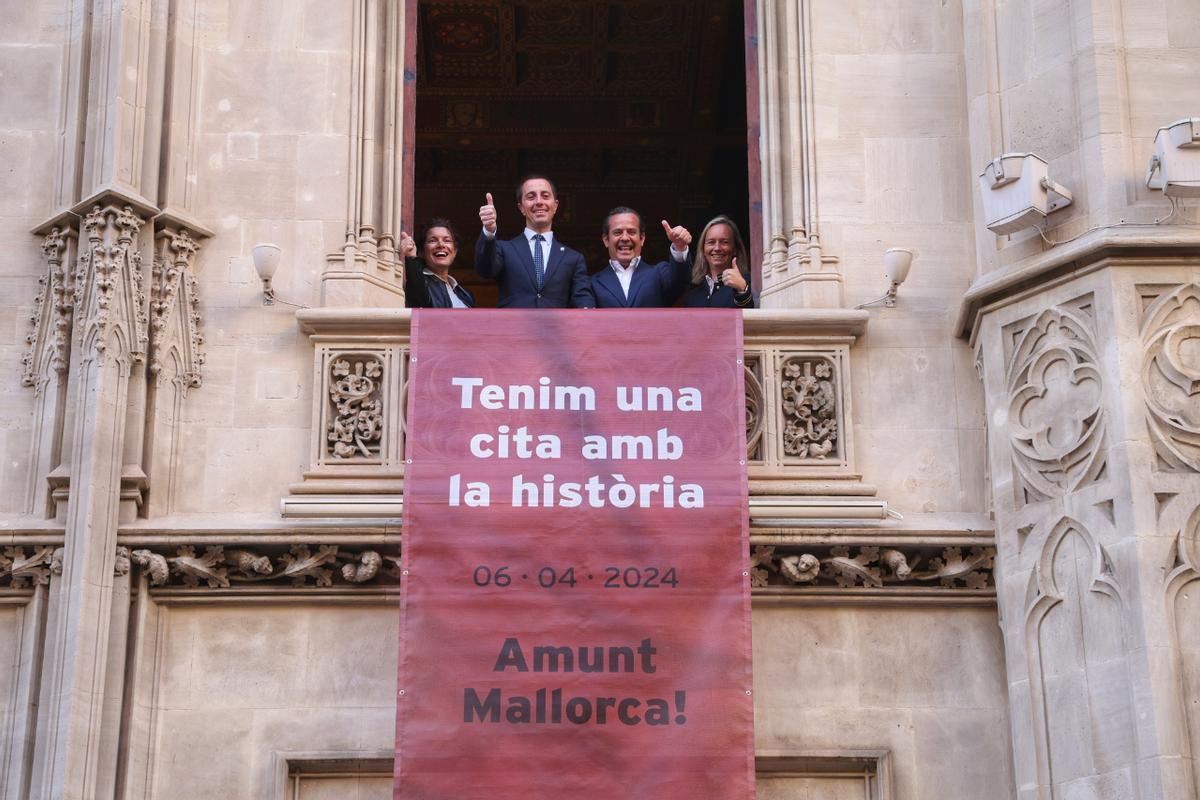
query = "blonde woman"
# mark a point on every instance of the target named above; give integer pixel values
(717, 277)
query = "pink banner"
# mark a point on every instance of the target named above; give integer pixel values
(576, 602)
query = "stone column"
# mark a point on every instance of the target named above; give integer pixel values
(1087, 329)
(1093, 406)
(45, 365)
(367, 271)
(110, 340)
(121, 112)
(796, 272)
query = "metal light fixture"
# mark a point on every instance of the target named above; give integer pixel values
(266, 260)
(897, 261)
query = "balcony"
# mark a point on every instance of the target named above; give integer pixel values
(799, 423)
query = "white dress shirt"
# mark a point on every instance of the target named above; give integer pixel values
(549, 237)
(625, 274)
(529, 234)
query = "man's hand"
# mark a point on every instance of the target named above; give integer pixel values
(679, 236)
(733, 278)
(408, 247)
(487, 215)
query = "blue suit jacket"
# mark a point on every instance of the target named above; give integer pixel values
(652, 286)
(510, 263)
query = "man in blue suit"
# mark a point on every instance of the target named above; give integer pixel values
(629, 282)
(534, 270)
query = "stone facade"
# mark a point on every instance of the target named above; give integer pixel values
(975, 516)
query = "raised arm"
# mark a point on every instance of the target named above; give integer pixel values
(679, 273)
(416, 291)
(488, 263)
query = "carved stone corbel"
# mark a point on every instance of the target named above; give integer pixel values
(50, 339)
(175, 337)
(110, 296)
(45, 365)
(176, 355)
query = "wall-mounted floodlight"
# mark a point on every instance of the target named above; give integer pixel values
(1018, 193)
(1175, 165)
(897, 261)
(266, 261)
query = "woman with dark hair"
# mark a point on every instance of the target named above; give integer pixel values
(427, 279)
(717, 278)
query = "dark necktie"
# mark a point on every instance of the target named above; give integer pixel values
(539, 264)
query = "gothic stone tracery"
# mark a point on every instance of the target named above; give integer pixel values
(1054, 413)
(1171, 375)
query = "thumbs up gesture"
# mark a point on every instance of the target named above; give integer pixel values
(733, 278)
(408, 247)
(487, 215)
(679, 236)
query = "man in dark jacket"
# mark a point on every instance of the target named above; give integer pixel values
(534, 269)
(629, 282)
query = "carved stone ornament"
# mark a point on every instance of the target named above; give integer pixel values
(302, 565)
(810, 414)
(110, 298)
(121, 564)
(175, 338)
(872, 567)
(1054, 414)
(22, 568)
(1184, 561)
(355, 428)
(755, 413)
(1171, 375)
(50, 339)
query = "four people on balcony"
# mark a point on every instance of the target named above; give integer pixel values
(535, 270)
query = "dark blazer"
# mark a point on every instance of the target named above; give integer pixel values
(722, 297)
(510, 263)
(652, 286)
(426, 291)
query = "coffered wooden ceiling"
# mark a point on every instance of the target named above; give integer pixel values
(619, 102)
